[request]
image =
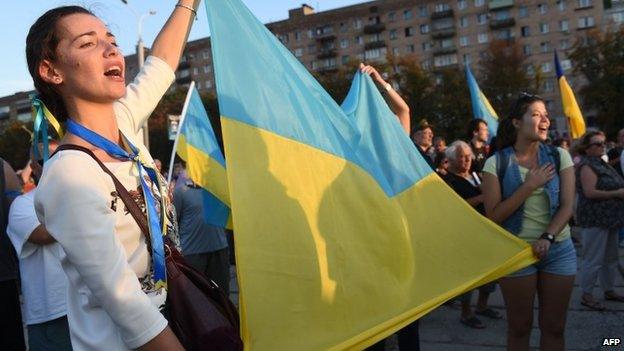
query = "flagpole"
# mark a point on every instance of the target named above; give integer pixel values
(177, 137)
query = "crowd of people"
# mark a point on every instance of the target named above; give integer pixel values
(91, 280)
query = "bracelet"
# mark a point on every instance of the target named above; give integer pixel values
(188, 8)
(388, 87)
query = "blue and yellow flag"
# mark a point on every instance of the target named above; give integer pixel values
(344, 235)
(205, 165)
(570, 108)
(481, 107)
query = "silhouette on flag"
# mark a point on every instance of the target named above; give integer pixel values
(343, 233)
(481, 107)
(197, 145)
(570, 108)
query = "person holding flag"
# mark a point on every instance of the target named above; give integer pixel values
(117, 281)
(571, 109)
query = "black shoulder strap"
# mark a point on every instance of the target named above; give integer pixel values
(501, 168)
(132, 206)
(556, 155)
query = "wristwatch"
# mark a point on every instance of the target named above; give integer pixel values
(387, 87)
(549, 237)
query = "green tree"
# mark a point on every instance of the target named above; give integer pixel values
(599, 57)
(452, 109)
(503, 75)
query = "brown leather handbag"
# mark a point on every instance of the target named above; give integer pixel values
(199, 312)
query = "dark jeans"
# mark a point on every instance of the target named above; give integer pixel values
(409, 339)
(11, 327)
(50, 336)
(215, 265)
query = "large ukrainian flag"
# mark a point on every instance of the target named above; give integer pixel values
(343, 234)
(481, 107)
(205, 165)
(570, 108)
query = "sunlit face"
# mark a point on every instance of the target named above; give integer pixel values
(424, 137)
(597, 146)
(463, 160)
(89, 66)
(534, 123)
(482, 134)
(440, 145)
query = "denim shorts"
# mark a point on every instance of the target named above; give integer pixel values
(561, 260)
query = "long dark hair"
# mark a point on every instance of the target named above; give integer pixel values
(507, 133)
(41, 44)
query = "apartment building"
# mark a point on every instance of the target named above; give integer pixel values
(438, 33)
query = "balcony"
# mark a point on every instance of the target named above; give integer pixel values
(500, 4)
(374, 28)
(326, 53)
(327, 69)
(442, 14)
(444, 51)
(502, 23)
(323, 37)
(443, 33)
(375, 45)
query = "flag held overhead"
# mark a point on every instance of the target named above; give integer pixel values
(571, 109)
(343, 234)
(481, 107)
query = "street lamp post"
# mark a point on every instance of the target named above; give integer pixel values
(141, 58)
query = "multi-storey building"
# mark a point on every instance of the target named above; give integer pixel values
(437, 33)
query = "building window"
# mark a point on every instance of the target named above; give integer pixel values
(426, 46)
(424, 29)
(208, 84)
(527, 50)
(374, 53)
(357, 24)
(393, 34)
(545, 46)
(546, 67)
(530, 70)
(297, 36)
(523, 11)
(342, 27)
(409, 31)
(501, 15)
(617, 17)
(440, 7)
(426, 64)
(310, 34)
(481, 19)
(445, 60)
(564, 25)
(311, 49)
(207, 69)
(205, 54)
(422, 11)
(407, 14)
(462, 4)
(345, 59)
(561, 5)
(479, 3)
(298, 52)
(564, 44)
(199, 85)
(542, 9)
(566, 65)
(584, 3)
(585, 22)
(482, 38)
(549, 86)
(344, 43)
(195, 71)
(314, 64)
(395, 51)
(463, 22)
(463, 41)
(410, 49)
(446, 43)
(359, 40)
(544, 28)
(283, 38)
(504, 34)
(392, 16)
(525, 31)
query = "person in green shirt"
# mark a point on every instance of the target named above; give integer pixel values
(528, 188)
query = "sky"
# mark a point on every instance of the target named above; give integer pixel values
(17, 17)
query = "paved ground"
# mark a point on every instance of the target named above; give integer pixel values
(441, 330)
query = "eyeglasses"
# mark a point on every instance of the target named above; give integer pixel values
(525, 95)
(599, 144)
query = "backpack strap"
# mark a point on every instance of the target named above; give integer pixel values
(501, 168)
(131, 206)
(556, 155)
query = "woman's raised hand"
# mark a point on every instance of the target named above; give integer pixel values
(370, 70)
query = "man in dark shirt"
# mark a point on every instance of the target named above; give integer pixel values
(11, 330)
(615, 153)
(478, 135)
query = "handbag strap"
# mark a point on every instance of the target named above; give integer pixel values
(131, 205)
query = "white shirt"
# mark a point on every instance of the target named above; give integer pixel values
(44, 285)
(105, 251)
